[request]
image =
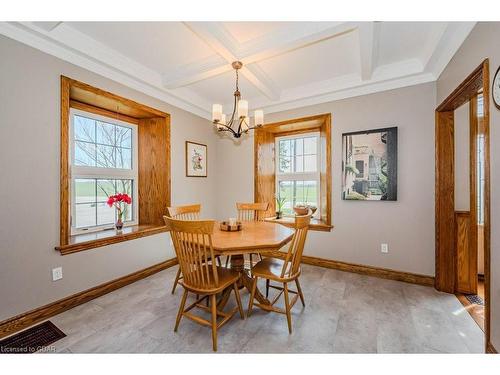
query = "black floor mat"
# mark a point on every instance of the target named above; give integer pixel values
(31, 340)
(474, 298)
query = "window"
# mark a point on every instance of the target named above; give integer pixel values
(103, 157)
(298, 171)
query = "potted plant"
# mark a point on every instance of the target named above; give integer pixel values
(120, 202)
(280, 202)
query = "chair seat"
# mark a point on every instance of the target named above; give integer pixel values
(270, 268)
(226, 276)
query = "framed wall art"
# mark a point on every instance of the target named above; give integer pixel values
(196, 159)
(370, 164)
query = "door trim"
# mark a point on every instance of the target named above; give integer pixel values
(445, 274)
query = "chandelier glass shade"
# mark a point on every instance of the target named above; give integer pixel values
(239, 122)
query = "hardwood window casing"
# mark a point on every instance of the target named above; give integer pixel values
(153, 161)
(265, 170)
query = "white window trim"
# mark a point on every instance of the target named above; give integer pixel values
(300, 176)
(77, 172)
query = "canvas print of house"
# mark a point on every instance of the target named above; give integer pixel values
(369, 165)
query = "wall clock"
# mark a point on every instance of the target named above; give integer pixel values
(496, 88)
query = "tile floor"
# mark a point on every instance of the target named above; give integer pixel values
(344, 313)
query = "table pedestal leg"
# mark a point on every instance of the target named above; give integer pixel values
(238, 264)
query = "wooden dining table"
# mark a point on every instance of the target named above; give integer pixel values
(255, 237)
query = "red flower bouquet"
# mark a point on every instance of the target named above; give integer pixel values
(120, 202)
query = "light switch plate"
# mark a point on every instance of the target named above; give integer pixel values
(384, 248)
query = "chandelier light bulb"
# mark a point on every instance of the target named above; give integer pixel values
(259, 117)
(216, 112)
(242, 108)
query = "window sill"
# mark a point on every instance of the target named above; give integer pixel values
(315, 224)
(86, 241)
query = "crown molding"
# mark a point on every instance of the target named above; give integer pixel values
(68, 44)
(89, 54)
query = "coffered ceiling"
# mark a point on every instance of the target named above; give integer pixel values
(286, 64)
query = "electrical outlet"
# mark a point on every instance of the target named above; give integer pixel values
(384, 248)
(56, 273)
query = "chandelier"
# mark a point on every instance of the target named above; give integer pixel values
(239, 123)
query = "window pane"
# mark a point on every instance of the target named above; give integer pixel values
(294, 192)
(105, 188)
(105, 214)
(85, 154)
(84, 190)
(105, 133)
(285, 148)
(124, 187)
(286, 191)
(310, 145)
(123, 136)
(84, 129)
(299, 164)
(299, 146)
(285, 164)
(106, 156)
(85, 215)
(123, 158)
(310, 163)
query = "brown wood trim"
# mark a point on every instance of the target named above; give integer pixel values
(315, 224)
(154, 160)
(445, 202)
(141, 110)
(490, 348)
(487, 207)
(466, 90)
(78, 242)
(103, 112)
(64, 206)
(478, 80)
(383, 273)
(264, 159)
(21, 321)
(465, 253)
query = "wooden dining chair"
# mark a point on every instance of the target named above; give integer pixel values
(193, 246)
(283, 272)
(250, 212)
(189, 212)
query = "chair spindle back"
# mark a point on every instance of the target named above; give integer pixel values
(190, 212)
(193, 247)
(251, 211)
(294, 255)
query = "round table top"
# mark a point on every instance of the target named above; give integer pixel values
(255, 237)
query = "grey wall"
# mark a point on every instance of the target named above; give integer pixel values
(407, 225)
(29, 174)
(482, 43)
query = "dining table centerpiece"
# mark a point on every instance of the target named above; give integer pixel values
(120, 201)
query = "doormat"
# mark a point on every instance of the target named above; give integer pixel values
(474, 299)
(31, 340)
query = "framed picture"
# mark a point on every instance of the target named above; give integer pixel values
(370, 165)
(196, 159)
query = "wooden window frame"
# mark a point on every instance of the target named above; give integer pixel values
(265, 172)
(153, 143)
(85, 172)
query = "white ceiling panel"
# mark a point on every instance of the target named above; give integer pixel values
(220, 89)
(405, 40)
(244, 32)
(317, 62)
(286, 64)
(161, 46)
